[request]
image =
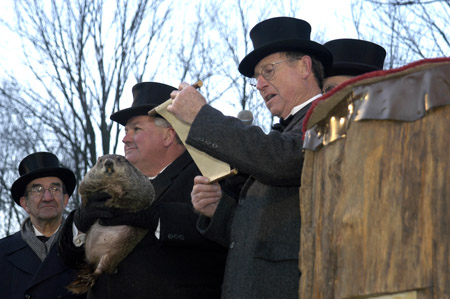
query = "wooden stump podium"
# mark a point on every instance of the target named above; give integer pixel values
(375, 190)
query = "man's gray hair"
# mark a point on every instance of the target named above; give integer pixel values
(163, 123)
(317, 66)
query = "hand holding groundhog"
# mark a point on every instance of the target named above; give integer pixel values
(94, 210)
(111, 189)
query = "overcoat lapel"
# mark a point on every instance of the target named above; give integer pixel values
(164, 180)
(50, 267)
(298, 116)
(21, 256)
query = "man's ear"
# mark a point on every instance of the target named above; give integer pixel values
(66, 199)
(169, 136)
(24, 204)
(306, 66)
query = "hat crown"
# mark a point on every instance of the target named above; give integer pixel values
(150, 93)
(354, 56)
(146, 96)
(37, 161)
(279, 29)
(38, 165)
(282, 34)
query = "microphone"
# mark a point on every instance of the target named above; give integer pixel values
(246, 117)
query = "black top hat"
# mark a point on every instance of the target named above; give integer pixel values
(38, 165)
(282, 34)
(146, 96)
(352, 57)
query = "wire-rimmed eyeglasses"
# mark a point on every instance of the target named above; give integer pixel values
(268, 71)
(38, 191)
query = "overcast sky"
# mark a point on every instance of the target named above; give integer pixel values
(330, 17)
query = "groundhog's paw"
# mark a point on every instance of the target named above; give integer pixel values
(82, 284)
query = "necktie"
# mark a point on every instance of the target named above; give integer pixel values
(283, 123)
(43, 239)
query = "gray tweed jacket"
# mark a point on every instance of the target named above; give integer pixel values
(261, 224)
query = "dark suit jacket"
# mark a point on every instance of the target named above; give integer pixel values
(23, 275)
(261, 224)
(181, 264)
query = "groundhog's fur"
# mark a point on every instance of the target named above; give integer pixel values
(107, 246)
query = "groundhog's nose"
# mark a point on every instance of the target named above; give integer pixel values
(109, 165)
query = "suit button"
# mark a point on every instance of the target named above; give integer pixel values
(214, 145)
(232, 245)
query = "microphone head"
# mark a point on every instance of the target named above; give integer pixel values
(246, 117)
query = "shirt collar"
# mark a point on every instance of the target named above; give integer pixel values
(303, 105)
(38, 233)
(153, 177)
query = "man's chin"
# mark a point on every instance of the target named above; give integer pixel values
(275, 112)
(48, 215)
(130, 157)
(272, 108)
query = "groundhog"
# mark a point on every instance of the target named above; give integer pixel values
(107, 246)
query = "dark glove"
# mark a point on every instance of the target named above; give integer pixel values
(95, 209)
(147, 218)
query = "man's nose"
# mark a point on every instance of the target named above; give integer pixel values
(261, 82)
(126, 138)
(48, 194)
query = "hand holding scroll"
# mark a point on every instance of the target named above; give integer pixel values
(186, 103)
(205, 196)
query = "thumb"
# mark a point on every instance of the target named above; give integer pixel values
(169, 107)
(201, 180)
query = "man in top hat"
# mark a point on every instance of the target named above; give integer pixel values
(351, 57)
(258, 220)
(29, 262)
(173, 260)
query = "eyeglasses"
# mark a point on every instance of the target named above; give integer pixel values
(268, 71)
(39, 190)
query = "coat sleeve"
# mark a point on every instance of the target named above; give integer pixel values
(71, 255)
(275, 158)
(218, 228)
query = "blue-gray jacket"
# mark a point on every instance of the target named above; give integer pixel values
(24, 275)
